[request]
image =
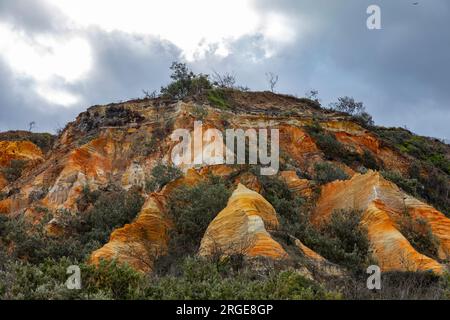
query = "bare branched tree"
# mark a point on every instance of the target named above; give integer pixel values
(150, 95)
(272, 79)
(226, 80)
(312, 95)
(31, 125)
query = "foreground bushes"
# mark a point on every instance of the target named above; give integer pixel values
(201, 279)
(198, 279)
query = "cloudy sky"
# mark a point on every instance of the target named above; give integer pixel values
(57, 57)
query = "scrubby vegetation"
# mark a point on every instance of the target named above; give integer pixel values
(419, 234)
(105, 211)
(356, 109)
(326, 172)
(342, 240)
(218, 98)
(197, 279)
(44, 141)
(192, 208)
(331, 147)
(14, 170)
(185, 83)
(346, 240)
(161, 175)
(429, 174)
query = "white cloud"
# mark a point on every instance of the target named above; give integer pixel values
(44, 58)
(62, 97)
(191, 25)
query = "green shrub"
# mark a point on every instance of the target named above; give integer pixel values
(326, 172)
(419, 234)
(343, 240)
(83, 232)
(14, 170)
(115, 280)
(31, 243)
(218, 98)
(46, 281)
(192, 208)
(330, 146)
(369, 161)
(201, 280)
(185, 83)
(285, 202)
(408, 185)
(396, 286)
(111, 210)
(161, 175)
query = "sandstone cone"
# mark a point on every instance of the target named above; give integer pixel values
(383, 204)
(242, 227)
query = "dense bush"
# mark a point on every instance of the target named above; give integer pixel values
(46, 281)
(396, 286)
(110, 210)
(369, 161)
(326, 172)
(408, 185)
(419, 234)
(192, 208)
(14, 170)
(198, 279)
(161, 175)
(28, 241)
(83, 232)
(201, 279)
(185, 83)
(218, 98)
(343, 240)
(331, 147)
(286, 203)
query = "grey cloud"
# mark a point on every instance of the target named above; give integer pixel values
(400, 72)
(31, 16)
(125, 65)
